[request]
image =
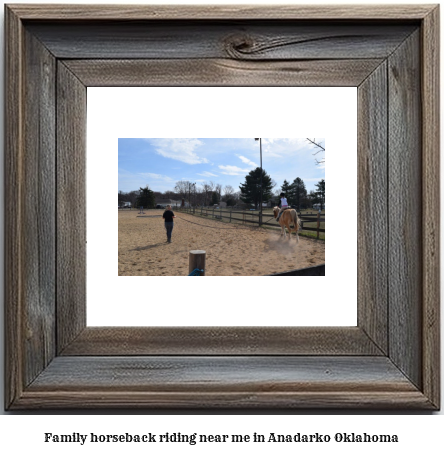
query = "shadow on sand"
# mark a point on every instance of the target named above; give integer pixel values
(148, 247)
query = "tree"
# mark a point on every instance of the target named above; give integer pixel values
(251, 188)
(186, 190)
(299, 192)
(207, 188)
(229, 196)
(228, 192)
(231, 201)
(320, 149)
(129, 197)
(146, 198)
(218, 190)
(312, 198)
(214, 199)
(320, 193)
(275, 198)
(287, 188)
(182, 188)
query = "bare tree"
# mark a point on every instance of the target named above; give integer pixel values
(229, 195)
(207, 188)
(182, 187)
(228, 191)
(320, 149)
(200, 195)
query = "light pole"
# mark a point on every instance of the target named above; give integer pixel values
(260, 210)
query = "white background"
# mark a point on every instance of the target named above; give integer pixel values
(221, 112)
(419, 433)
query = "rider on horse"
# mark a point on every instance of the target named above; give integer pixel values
(284, 205)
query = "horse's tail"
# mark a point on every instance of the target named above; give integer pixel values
(296, 221)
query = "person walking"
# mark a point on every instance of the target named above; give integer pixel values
(168, 216)
(284, 205)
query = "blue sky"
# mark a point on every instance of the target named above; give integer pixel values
(160, 163)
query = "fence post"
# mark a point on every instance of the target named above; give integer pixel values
(318, 224)
(196, 261)
(231, 210)
(201, 209)
(213, 211)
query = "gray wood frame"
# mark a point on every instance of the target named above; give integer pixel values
(390, 360)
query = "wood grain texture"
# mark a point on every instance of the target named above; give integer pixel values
(220, 12)
(246, 401)
(405, 209)
(38, 207)
(127, 341)
(430, 94)
(372, 207)
(233, 382)
(103, 367)
(13, 207)
(71, 206)
(30, 227)
(235, 40)
(221, 72)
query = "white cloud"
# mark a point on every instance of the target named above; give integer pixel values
(156, 176)
(181, 149)
(283, 147)
(233, 170)
(247, 161)
(207, 174)
(129, 181)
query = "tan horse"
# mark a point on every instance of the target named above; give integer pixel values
(287, 218)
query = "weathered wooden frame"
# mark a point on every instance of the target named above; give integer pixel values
(390, 360)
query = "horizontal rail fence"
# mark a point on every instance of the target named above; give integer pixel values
(309, 222)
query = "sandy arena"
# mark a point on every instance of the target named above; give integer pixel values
(230, 251)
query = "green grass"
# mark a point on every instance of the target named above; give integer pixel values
(314, 225)
(312, 234)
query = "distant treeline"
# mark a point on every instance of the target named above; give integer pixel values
(248, 195)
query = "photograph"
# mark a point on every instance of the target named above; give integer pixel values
(88, 330)
(221, 206)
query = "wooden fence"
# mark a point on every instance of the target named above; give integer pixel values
(249, 217)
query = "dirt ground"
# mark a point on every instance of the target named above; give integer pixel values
(230, 250)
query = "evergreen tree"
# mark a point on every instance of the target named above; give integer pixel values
(299, 192)
(287, 188)
(320, 193)
(251, 188)
(231, 201)
(312, 198)
(146, 198)
(214, 199)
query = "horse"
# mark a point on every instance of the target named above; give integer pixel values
(287, 218)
